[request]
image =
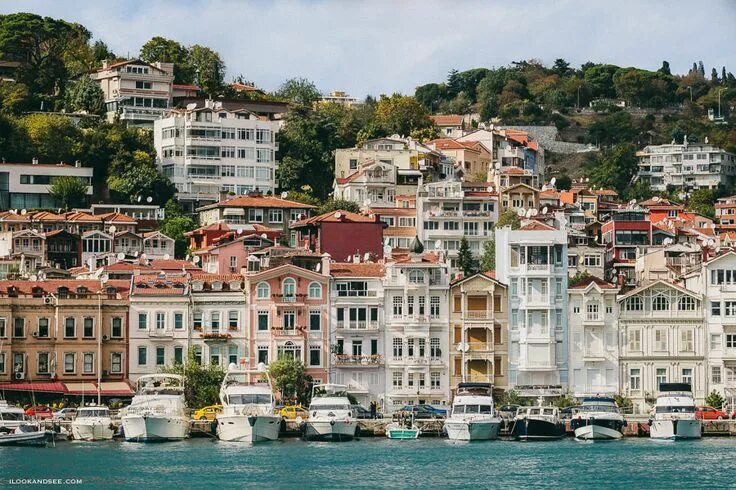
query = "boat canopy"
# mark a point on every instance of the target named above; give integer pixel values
(678, 387)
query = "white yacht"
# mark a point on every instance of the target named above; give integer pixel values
(92, 424)
(247, 408)
(330, 415)
(158, 411)
(473, 416)
(12, 417)
(674, 413)
(598, 418)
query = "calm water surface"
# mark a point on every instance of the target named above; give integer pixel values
(378, 462)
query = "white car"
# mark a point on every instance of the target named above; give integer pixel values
(65, 413)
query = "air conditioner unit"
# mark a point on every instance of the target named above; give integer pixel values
(48, 300)
(35, 334)
(105, 338)
(19, 375)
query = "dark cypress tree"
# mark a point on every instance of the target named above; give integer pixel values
(723, 75)
(714, 75)
(701, 69)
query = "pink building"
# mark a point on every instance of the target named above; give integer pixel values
(287, 308)
(229, 253)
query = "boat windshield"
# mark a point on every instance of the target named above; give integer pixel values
(329, 407)
(92, 413)
(675, 409)
(598, 408)
(7, 416)
(249, 399)
(472, 409)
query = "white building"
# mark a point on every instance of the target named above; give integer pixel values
(593, 312)
(26, 185)
(339, 97)
(373, 185)
(662, 339)
(417, 330)
(208, 150)
(357, 333)
(533, 262)
(687, 166)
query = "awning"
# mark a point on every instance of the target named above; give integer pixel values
(84, 388)
(39, 387)
(233, 212)
(116, 388)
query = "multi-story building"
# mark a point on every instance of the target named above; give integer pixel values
(447, 213)
(532, 261)
(687, 166)
(449, 125)
(416, 302)
(136, 92)
(26, 185)
(342, 234)
(584, 254)
(510, 148)
(67, 336)
(626, 231)
(726, 213)
(208, 150)
(520, 198)
(357, 330)
(479, 331)
(662, 339)
(401, 225)
(472, 158)
(373, 184)
(339, 97)
(593, 312)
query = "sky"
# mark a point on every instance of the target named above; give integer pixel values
(386, 46)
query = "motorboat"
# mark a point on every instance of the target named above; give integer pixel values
(158, 411)
(404, 428)
(92, 424)
(674, 413)
(473, 416)
(537, 423)
(330, 415)
(248, 413)
(26, 435)
(12, 417)
(598, 418)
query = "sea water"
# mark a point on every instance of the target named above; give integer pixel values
(378, 462)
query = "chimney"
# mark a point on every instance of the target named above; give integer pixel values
(105, 64)
(77, 163)
(34, 161)
(356, 258)
(326, 264)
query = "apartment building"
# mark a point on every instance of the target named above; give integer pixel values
(416, 318)
(449, 125)
(26, 185)
(627, 231)
(472, 158)
(343, 235)
(592, 315)
(401, 225)
(479, 331)
(533, 262)
(687, 166)
(210, 149)
(372, 184)
(726, 213)
(357, 330)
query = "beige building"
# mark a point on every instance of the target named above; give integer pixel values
(409, 156)
(472, 157)
(479, 331)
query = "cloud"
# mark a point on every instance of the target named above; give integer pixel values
(383, 46)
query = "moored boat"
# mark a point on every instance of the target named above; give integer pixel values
(674, 414)
(404, 428)
(330, 415)
(473, 415)
(158, 411)
(598, 418)
(12, 417)
(92, 424)
(26, 435)
(537, 423)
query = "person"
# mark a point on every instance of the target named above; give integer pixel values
(373, 409)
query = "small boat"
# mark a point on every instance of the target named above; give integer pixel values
(247, 408)
(158, 411)
(92, 424)
(12, 417)
(598, 418)
(26, 435)
(330, 416)
(473, 416)
(537, 423)
(405, 428)
(674, 414)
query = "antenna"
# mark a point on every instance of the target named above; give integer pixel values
(121, 256)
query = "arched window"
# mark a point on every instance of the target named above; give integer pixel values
(634, 304)
(660, 303)
(288, 288)
(686, 303)
(416, 277)
(315, 290)
(263, 291)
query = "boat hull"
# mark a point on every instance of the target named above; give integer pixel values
(330, 430)
(144, 428)
(472, 430)
(676, 429)
(243, 428)
(597, 432)
(402, 432)
(98, 430)
(40, 438)
(537, 430)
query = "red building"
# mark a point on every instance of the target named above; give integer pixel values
(627, 230)
(342, 234)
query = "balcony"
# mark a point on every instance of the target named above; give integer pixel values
(593, 318)
(357, 326)
(346, 360)
(288, 300)
(161, 334)
(536, 365)
(594, 355)
(537, 300)
(215, 337)
(471, 315)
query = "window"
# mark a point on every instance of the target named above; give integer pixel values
(142, 356)
(715, 341)
(178, 321)
(88, 329)
(592, 310)
(592, 260)
(43, 363)
(255, 215)
(315, 355)
(398, 305)
(434, 380)
(289, 320)
(661, 376)
(715, 375)
(686, 303)
(315, 290)
(410, 305)
(634, 304)
(288, 288)
(160, 356)
(687, 344)
(198, 354)
(70, 328)
(142, 321)
(687, 376)
(660, 303)
(178, 355)
(635, 340)
(233, 319)
(215, 321)
(116, 362)
(352, 288)
(635, 379)
(43, 328)
(434, 348)
(88, 362)
(70, 363)
(416, 277)
(263, 291)
(3, 333)
(398, 348)
(262, 320)
(233, 264)
(660, 340)
(117, 328)
(730, 308)
(142, 85)
(19, 327)
(315, 320)
(731, 341)
(232, 354)
(715, 308)
(276, 216)
(160, 320)
(397, 379)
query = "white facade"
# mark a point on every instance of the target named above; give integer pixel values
(686, 166)
(533, 262)
(26, 185)
(211, 150)
(417, 333)
(374, 185)
(593, 311)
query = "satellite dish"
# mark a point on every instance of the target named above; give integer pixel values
(587, 179)
(253, 258)
(167, 256)
(261, 366)
(338, 215)
(139, 198)
(521, 212)
(438, 244)
(23, 212)
(232, 366)
(489, 189)
(528, 213)
(284, 195)
(633, 201)
(240, 231)
(195, 259)
(33, 277)
(149, 199)
(191, 106)
(318, 267)
(544, 210)
(655, 199)
(135, 254)
(534, 212)
(113, 229)
(552, 181)
(263, 235)
(58, 211)
(367, 202)
(711, 242)
(121, 256)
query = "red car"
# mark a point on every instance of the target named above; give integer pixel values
(40, 411)
(710, 413)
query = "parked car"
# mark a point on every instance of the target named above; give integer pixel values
(40, 411)
(363, 413)
(291, 412)
(710, 413)
(208, 413)
(65, 413)
(424, 411)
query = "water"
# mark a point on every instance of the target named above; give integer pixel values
(379, 462)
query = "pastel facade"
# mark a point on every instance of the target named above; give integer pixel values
(686, 166)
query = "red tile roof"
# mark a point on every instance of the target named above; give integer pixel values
(537, 226)
(347, 269)
(332, 217)
(25, 288)
(592, 279)
(447, 119)
(450, 144)
(117, 217)
(185, 86)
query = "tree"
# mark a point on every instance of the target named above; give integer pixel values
(665, 68)
(13, 98)
(600, 80)
(140, 178)
(561, 67)
(175, 225)
(169, 51)
(50, 138)
(714, 399)
(465, 258)
(299, 91)
(430, 95)
(290, 377)
(84, 95)
(613, 168)
(401, 114)
(509, 218)
(201, 382)
(579, 277)
(488, 256)
(563, 182)
(613, 128)
(339, 205)
(208, 67)
(69, 191)
(702, 202)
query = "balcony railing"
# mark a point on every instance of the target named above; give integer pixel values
(478, 315)
(357, 325)
(480, 347)
(358, 360)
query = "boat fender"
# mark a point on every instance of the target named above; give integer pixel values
(332, 422)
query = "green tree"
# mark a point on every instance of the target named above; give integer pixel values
(613, 128)
(488, 256)
(69, 191)
(201, 383)
(13, 98)
(290, 378)
(465, 258)
(600, 80)
(579, 277)
(208, 67)
(169, 51)
(140, 179)
(299, 91)
(50, 138)
(563, 182)
(175, 225)
(714, 399)
(401, 114)
(642, 87)
(84, 95)
(702, 201)
(509, 218)
(339, 205)
(431, 95)
(613, 168)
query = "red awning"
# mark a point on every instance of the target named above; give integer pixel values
(116, 388)
(56, 387)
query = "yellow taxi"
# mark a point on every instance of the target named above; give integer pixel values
(208, 413)
(291, 412)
